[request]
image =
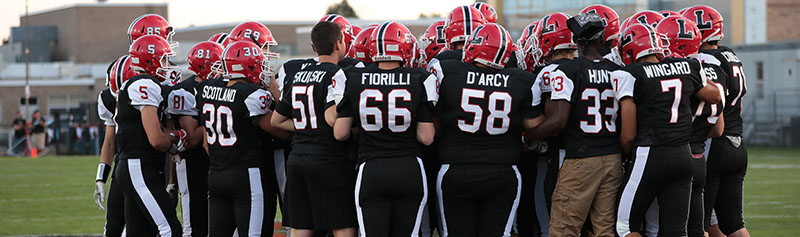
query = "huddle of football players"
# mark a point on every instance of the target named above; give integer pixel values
(582, 126)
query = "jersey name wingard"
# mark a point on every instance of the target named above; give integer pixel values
(219, 93)
(309, 76)
(669, 69)
(483, 79)
(386, 79)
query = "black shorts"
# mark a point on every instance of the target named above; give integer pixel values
(391, 194)
(725, 171)
(662, 173)
(149, 211)
(320, 197)
(236, 202)
(478, 199)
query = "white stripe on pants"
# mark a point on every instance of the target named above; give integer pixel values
(183, 187)
(513, 214)
(442, 220)
(137, 179)
(626, 201)
(256, 203)
(424, 180)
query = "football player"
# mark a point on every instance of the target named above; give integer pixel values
(461, 23)
(582, 109)
(360, 47)
(220, 38)
(432, 42)
(395, 116)
(235, 111)
(656, 125)
(487, 11)
(611, 33)
(141, 142)
(118, 72)
(483, 108)
(727, 156)
(319, 188)
(349, 36)
(205, 60)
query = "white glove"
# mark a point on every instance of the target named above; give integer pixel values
(172, 190)
(182, 142)
(100, 194)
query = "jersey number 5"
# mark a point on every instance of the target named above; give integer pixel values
(214, 125)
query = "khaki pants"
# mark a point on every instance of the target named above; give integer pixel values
(38, 141)
(586, 187)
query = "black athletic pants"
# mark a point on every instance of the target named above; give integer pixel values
(390, 196)
(478, 199)
(236, 202)
(115, 207)
(662, 172)
(192, 176)
(694, 226)
(726, 168)
(148, 208)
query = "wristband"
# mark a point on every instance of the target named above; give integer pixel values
(103, 170)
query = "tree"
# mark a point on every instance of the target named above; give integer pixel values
(342, 8)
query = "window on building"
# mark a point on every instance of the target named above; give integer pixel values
(760, 80)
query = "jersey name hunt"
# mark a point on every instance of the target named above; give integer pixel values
(219, 94)
(386, 79)
(669, 69)
(598, 76)
(485, 79)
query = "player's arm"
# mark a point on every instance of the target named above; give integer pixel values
(627, 133)
(152, 127)
(265, 123)
(282, 122)
(109, 147)
(718, 128)
(342, 128)
(709, 92)
(104, 168)
(194, 132)
(334, 96)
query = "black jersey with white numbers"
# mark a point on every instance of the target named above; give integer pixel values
(306, 96)
(591, 129)
(386, 106)
(132, 141)
(735, 88)
(458, 54)
(230, 115)
(481, 112)
(662, 92)
(705, 115)
(106, 105)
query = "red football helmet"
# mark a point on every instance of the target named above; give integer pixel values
(610, 20)
(120, 72)
(639, 40)
(392, 41)
(553, 34)
(220, 38)
(645, 17)
(356, 30)
(487, 10)
(347, 28)
(668, 13)
(682, 34)
(150, 54)
(205, 60)
(461, 22)
(360, 47)
(244, 60)
(526, 32)
(151, 24)
(257, 33)
(490, 45)
(432, 41)
(708, 20)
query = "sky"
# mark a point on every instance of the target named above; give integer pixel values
(183, 13)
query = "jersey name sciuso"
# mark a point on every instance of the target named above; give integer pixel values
(662, 92)
(230, 116)
(181, 102)
(132, 141)
(481, 112)
(591, 129)
(386, 105)
(306, 96)
(705, 115)
(735, 88)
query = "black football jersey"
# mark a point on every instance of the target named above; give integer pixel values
(591, 129)
(481, 112)
(181, 102)
(662, 92)
(135, 93)
(230, 115)
(542, 91)
(350, 62)
(386, 106)
(306, 96)
(458, 54)
(735, 88)
(705, 115)
(106, 105)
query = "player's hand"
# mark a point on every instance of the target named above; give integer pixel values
(176, 158)
(100, 194)
(180, 146)
(172, 190)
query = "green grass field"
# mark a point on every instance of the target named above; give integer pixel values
(54, 195)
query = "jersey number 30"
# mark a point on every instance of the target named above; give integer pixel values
(214, 125)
